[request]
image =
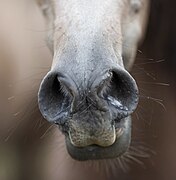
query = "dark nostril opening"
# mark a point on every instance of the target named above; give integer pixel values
(54, 99)
(121, 92)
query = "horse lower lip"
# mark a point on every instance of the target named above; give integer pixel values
(91, 148)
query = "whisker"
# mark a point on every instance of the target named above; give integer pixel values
(159, 101)
(129, 156)
(11, 98)
(155, 83)
(46, 132)
(122, 165)
(139, 51)
(145, 63)
(147, 73)
(17, 113)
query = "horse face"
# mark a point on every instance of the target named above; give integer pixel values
(88, 92)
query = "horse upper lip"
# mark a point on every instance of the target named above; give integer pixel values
(102, 138)
(91, 140)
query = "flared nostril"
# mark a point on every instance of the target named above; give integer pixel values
(54, 98)
(121, 92)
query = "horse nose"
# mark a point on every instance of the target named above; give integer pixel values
(115, 90)
(116, 97)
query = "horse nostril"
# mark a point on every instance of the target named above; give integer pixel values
(54, 98)
(121, 93)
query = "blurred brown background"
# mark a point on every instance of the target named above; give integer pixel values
(157, 63)
(154, 123)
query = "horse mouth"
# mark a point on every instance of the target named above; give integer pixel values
(95, 152)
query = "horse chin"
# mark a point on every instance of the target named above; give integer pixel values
(95, 152)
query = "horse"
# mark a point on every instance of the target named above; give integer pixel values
(88, 92)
